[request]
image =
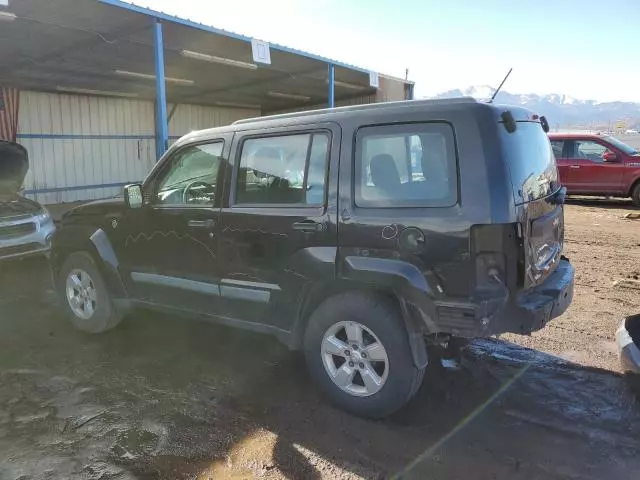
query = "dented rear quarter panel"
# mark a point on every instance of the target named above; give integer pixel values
(445, 263)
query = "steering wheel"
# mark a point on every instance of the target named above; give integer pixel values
(198, 183)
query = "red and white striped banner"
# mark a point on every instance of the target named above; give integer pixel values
(9, 105)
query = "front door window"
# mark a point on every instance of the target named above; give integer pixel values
(191, 178)
(589, 150)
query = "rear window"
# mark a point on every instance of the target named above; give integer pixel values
(531, 162)
(406, 165)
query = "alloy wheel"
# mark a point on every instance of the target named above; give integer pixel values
(355, 359)
(81, 294)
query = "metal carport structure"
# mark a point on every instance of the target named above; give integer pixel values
(114, 49)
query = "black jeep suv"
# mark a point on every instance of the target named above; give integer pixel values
(357, 234)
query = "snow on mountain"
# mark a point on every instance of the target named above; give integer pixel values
(560, 109)
(484, 92)
(481, 92)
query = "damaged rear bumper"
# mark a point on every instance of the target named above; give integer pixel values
(494, 314)
(537, 306)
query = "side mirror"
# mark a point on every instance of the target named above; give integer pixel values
(610, 156)
(133, 196)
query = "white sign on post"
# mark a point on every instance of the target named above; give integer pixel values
(374, 80)
(261, 51)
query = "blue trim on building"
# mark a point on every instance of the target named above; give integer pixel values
(219, 31)
(332, 88)
(411, 88)
(162, 124)
(79, 187)
(73, 136)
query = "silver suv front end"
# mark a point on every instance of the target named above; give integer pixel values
(26, 235)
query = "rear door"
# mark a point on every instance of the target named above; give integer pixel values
(590, 173)
(399, 204)
(278, 231)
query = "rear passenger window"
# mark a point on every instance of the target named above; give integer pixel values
(286, 170)
(406, 165)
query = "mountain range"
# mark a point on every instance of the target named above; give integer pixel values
(561, 110)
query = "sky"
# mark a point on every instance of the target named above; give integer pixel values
(588, 49)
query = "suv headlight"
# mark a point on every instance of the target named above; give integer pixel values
(44, 217)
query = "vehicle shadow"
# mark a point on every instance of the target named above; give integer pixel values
(161, 397)
(601, 202)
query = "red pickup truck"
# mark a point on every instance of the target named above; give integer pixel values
(599, 165)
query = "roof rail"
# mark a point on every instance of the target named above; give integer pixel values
(357, 108)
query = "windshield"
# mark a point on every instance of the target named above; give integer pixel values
(620, 145)
(532, 165)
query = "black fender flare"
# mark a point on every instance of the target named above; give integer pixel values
(405, 279)
(93, 239)
(411, 289)
(400, 280)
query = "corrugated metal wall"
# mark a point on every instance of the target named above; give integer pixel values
(361, 100)
(84, 147)
(187, 118)
(391, 90)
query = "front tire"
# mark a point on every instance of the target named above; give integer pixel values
(84, 295)
(358, 352)
(635, 195)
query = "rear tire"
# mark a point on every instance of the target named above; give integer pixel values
(382, 380)
(84, 295)
(635, 195)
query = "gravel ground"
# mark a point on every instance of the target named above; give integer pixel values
(164, 398)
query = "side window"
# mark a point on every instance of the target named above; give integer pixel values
(590, 150)
(288, 169)
(406, 165)
(191, 177)
(558, 148)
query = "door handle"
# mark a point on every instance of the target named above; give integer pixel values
(574, 166)
(308, 226)
(210, 224)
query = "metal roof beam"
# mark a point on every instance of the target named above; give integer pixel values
(199, 26)
(231, 88)
(162, 124)
(331, 85)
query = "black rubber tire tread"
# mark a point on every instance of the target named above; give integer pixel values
(106, 315)
(635, 195)
(383, 317)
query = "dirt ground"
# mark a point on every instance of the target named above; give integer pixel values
(605, 249)
(164, 398)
